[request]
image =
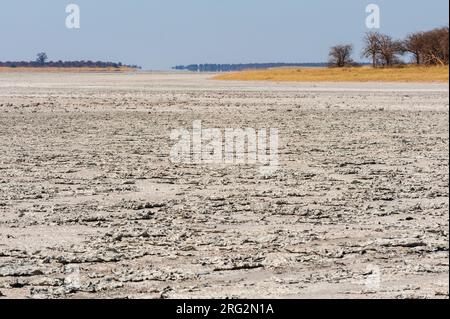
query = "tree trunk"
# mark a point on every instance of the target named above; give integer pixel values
(418, 58)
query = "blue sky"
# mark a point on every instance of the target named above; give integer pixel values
(158, 34)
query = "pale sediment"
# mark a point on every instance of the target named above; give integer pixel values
(91, 206)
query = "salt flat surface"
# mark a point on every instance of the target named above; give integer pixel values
(91, 205)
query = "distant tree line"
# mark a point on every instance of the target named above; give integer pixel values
(42, 61)
(240, 67)
(427, 48)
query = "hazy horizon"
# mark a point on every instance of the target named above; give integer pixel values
(160, 34)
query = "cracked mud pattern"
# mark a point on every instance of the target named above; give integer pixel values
(92, 207)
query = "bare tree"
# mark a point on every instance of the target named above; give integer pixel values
(372, 47)
(389, 50)
(444, 43)
(41, 58)
(340, 56)
(429, 48)
(414, 44)
(436, 47)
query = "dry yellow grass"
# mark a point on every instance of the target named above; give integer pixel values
(358, 74)
(64, 70)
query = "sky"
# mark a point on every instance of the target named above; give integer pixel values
(159, 34)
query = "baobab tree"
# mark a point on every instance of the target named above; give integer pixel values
(340, 56)
(430, 47)
(389, 50)
(382, 49)
(372, 47)
(444, 44)
(414, 44)
(436, 47)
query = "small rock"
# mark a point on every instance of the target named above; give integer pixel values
(19, 271)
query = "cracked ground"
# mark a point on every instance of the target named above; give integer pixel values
(92, 207)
